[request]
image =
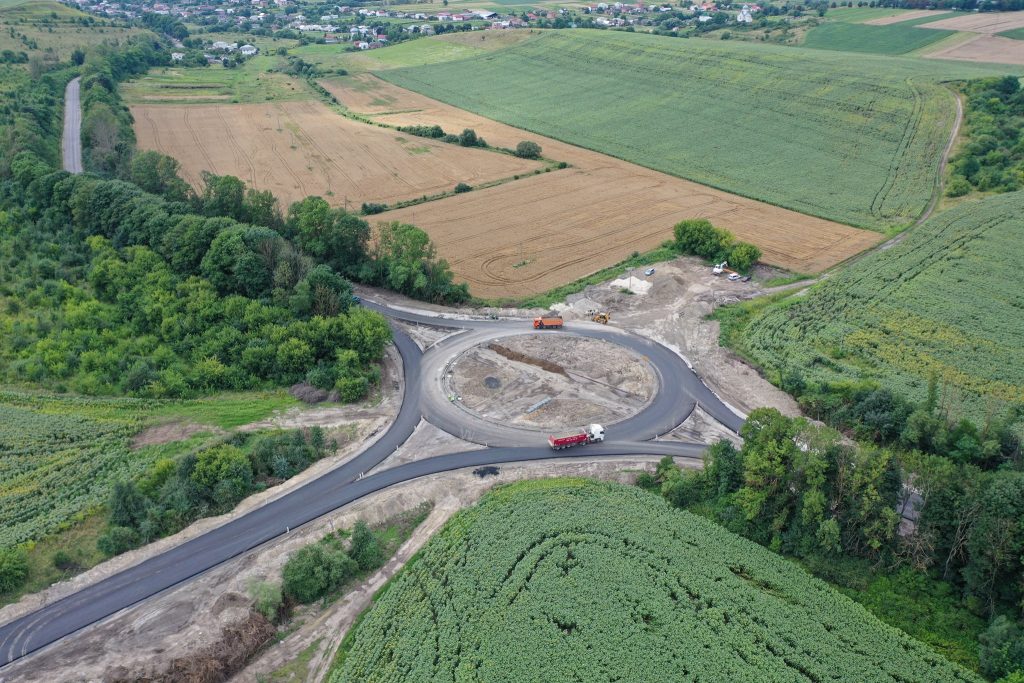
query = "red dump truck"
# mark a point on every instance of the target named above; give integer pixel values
(547, 323)
(590, 434)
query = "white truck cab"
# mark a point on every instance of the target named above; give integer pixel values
(595, 433)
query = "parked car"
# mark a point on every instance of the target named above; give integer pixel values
(746, 279)
(649, 272)
(733, 277)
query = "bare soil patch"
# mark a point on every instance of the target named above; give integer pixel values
(984, 48)
(903, 16)
(297, 149)
(550, 381)
(166, 433)
(981, 22)
(529, 236)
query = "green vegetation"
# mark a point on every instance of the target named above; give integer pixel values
(992, 159)
(173, 492)
(572, 579)
(856, 141)
(890, 39)
(942, 304)
(800, 490)
(48, 32)
(700, 238)
(1015, 34)
(254, 81)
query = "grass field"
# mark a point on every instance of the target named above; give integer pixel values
(856, 141)
(212, 84)
(59, 456)
(573, 222)
(946, 301)
(445, 48)
(297, 149)
(889, 39)
(1014, 34)
(52, 30)
(573, 580)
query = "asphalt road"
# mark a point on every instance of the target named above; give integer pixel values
(71, 145)
(347, 483)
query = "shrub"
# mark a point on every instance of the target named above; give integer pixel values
(13, 569)
(370, 208)
(117, 539)
(365, 548)
(528, 150)
(1001, 648)
(266, 598)
(958, 186)
(462, 187)
(743, 256)
(314, 571)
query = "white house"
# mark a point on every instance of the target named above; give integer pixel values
(248, 50)
(744, 16)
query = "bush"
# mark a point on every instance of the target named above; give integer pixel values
(1001, 648)
(117, 539)
(958, 186)
(370, 208)
(462, 187)
(743, 256)
(266, 599)
(365, 548)
(528, 150)
(13, 569)
(315, 570)
(468, 138)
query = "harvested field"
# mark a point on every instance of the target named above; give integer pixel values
(984, 48)
(903, 16)
(564, 225)
(297, 149)
(982, 22)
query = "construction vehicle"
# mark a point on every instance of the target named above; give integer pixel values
(720, 268)
(590, 434)
(547, 323)
(602, 318)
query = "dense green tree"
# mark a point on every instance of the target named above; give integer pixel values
(158, 174)
(223, 474)
(1001, 648)
(365, 548)
(528, 150)
(127, 505)
(223, 195)
(315, 570)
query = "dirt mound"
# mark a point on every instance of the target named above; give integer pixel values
(529, 360)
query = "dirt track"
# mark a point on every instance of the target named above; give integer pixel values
(297, 149)
(531, 235)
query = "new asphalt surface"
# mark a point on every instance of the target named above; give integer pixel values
(679, 389)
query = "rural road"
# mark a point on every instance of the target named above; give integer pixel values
(679, 390)
(71, 145)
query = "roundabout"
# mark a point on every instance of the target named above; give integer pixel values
(675, 390)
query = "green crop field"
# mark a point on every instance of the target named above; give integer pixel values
(59, 456)
(1016, 34)
(575, 580)
(861, 14)
(856, 141)
(946, 301)
(891, 39)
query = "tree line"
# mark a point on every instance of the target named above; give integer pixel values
(805, 491)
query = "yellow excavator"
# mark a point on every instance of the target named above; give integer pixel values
(602, 318)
